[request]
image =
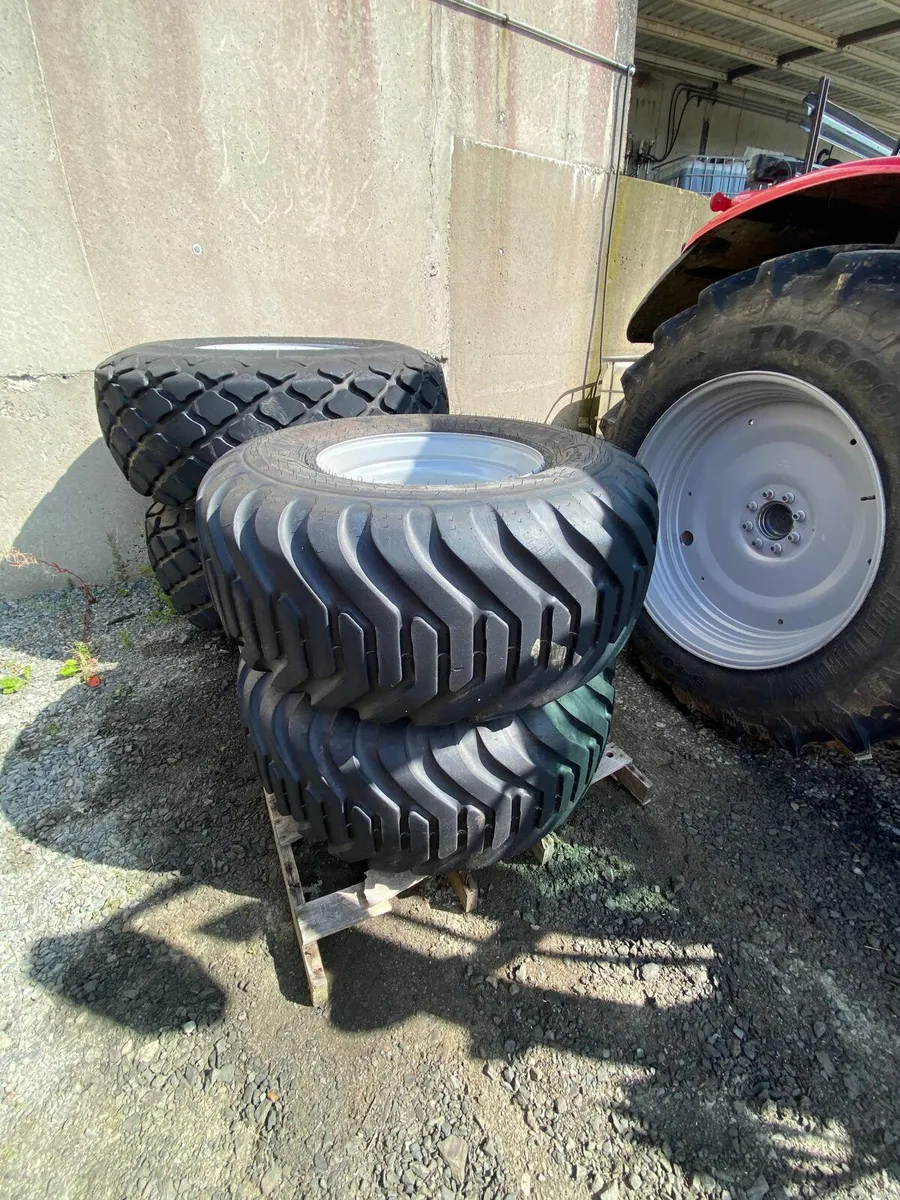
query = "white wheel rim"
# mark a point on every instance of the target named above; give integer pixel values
(430, 459)
(758, 587)
(275, 347)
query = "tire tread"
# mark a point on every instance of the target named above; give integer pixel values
(174, 552)
(397, 611)
(429, 799)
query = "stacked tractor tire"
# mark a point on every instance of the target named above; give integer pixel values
(169, 410)
(428, 607)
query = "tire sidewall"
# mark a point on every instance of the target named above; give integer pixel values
(290, 458)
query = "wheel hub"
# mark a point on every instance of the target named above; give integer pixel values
(775, 521)
(772, 519)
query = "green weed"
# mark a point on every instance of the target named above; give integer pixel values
(82, 662)
(115, 554)
(166, 610)
(13, 678)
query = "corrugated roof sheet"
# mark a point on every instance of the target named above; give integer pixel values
(876, 95)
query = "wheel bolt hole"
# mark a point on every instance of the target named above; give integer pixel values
(780, 622)
(853, 441)
(687, 538)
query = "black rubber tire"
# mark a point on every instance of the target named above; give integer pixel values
(174, 553)
(168, 410)
(429, 799)
(435, 604)
(830, 316)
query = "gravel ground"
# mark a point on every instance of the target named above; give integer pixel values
(697, 998)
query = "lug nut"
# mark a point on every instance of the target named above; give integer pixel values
(777, 548)
(799, 515)
(753, 506)
(756, 544)
(768, 494)
(746, 526)
(788, 497)
(794, 537)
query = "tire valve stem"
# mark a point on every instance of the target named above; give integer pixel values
(794, 537)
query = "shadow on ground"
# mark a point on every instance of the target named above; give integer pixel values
(731, 949)
(168, 789)
(753, 997)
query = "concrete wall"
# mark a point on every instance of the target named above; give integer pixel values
(387, 168)
(652, 221)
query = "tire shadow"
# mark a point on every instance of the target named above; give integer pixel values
(149, 773)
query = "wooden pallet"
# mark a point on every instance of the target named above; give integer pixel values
(620, 766)
(316, 919)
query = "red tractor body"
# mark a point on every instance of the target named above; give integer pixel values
(835, 206)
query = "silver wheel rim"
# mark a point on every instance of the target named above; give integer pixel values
(772, 520)
(430, 459)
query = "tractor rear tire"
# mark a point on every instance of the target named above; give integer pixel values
(823, 324)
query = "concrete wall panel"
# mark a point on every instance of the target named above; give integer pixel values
(280, 168)
(289, 143)
(524, 240)
(49, 313)
(651, 224)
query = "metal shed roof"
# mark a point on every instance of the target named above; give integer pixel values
(782, 47)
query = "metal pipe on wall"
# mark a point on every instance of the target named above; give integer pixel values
(541, 35)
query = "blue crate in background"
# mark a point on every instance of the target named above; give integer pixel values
(705, 174)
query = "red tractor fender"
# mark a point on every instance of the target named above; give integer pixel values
(850, 203)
